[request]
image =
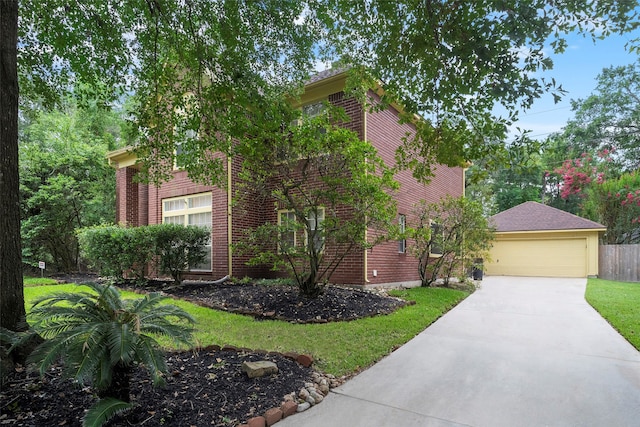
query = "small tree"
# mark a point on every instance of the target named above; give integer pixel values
(177, 248)
(328, 188)
(616, 204)
(101, 337)
(448, 236)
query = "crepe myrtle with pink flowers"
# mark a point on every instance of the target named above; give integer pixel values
(601, 195)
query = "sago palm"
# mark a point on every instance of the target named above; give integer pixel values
(101, 337)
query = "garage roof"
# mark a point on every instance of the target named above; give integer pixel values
(534, 216)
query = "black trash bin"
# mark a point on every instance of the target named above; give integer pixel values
(477, 272)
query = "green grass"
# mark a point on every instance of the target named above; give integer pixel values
(619, 304)
(38, 281)
(339, 348)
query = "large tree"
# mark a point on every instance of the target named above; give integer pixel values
(65, 183)
(608, 119)
(204, 71)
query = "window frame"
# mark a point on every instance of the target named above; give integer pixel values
(185, 213)
(322, 235)
(435, 228)
(281, 213)
(402, 228)
(321, 212)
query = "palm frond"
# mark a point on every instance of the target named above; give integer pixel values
(152, 358)
(103, 411)
(122, 340)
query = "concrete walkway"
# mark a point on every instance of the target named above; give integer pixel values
(518, 352)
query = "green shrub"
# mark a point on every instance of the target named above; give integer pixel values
(177, 248)
(115, 250)
(102, 337)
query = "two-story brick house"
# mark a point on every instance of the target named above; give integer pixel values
(183, 201)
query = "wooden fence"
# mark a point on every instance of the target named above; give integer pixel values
(619, 262)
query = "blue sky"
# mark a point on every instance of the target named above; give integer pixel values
(576, 69)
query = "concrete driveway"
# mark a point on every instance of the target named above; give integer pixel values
(518, 352)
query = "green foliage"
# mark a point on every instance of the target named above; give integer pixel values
(451, 61)
(616, 204)
(608, 119)
(115, 250)
(101, 337)
(178, 247)
(455, 62)
(103, 411)
(448, 237)
(333, 186)
(65, 183)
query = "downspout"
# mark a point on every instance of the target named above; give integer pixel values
(366, 230)
(229, 219)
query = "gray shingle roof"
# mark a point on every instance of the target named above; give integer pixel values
(534, 216)
(326, 74)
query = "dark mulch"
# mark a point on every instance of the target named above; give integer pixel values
(285, 303)
(205, 388)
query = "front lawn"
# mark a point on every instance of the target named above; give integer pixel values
(339, 348)
(38, 281)
(619, 304)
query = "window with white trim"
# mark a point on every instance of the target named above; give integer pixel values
(180, 152)
(290, 229)
(402, 228)
(192, 210)
(287, 224)
(315, 218)
(313, 110)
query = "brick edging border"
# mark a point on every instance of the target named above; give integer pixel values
(297, 401)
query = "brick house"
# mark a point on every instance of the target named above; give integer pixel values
(183, 201)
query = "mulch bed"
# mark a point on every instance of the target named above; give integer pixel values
(283, 302)
(203, 388)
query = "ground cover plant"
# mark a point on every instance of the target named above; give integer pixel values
(206, 387)
(617, 302)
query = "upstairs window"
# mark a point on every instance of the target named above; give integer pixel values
(313, 110)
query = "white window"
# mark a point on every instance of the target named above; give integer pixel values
(179, 152)
(315, 218)
(402, 228)
(287, 223)
(313, 110)
(191, 210)
(290, 229)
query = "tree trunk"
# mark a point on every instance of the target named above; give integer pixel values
(12, 313)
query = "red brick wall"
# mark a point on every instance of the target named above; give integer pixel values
(127, 197)
(385, 134)
(181, 185)
(138, 204)
(243, 218)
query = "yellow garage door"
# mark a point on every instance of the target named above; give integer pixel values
(538, 257)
